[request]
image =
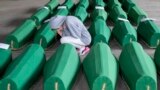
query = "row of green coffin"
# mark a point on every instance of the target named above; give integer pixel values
(138, 69)
(62, 67)
(22, 34)
(25, 31)
(147, 29)
(100, 67)
(124, 32)
(18, 37)
(23, 71)
(59, 71)
(46, 35)
(135, 13)
(99, 31)
(81, 12)
(43, 13)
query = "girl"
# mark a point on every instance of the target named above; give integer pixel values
(72, 31)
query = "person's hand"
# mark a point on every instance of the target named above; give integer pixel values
(59, 31)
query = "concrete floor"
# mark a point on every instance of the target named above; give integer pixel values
(13, 12)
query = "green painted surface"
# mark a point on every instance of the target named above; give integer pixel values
(22, 34)
(81, 13)
(157, 58)
(117, 12)
(99, 13)
(138, 69)
(22, 72)
(60, 70)
(62, 12)
(5, 59)
(124, 32)
(136, 14)
(150, 32)
(100, 68)
(112, 3)
(84, 3)
(99, 31)
(40, 15)
(69, 4)
(45, 36)
(52, 4)
(98, 3)
(128, 4)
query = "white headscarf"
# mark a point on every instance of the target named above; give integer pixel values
(57, 21)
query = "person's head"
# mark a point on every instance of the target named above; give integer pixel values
(57, 22)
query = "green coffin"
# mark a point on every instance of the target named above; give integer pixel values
(81, 13)
(138, 69)
(136, 14)
(40, 15)
(22, 34)
(45, 36)
(121, 1)
(5, 59)
(124, 32)
(52, 4)
(157, 58)
(117, 12)
(99, 31)
(23, 71)
(69, 4)
(150, 32)
(99, 12)
(101, 68)
(64, 8)
(84, 3)
(112, 3)
(61, 69)
(128, 4)
(98, 3)
(61, 11)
